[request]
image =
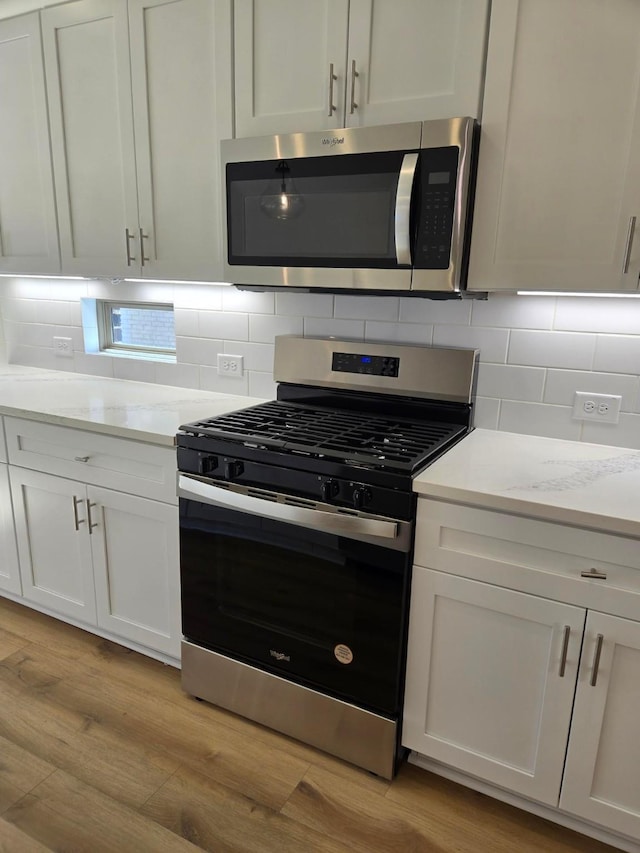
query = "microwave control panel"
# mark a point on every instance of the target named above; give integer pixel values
(438, 178)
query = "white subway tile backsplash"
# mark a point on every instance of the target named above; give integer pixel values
(486, 413)
(262, 385)
(551, 349)
(617, 354)
(256, 356)
(421, 310)
(561, 386)
(624, 434)
(366, 307)
(263, 329)
(210, 380)
(492, 343)
(616, 316)
(398, 333)
(538, 419)
(317, 327)
(304, 304)
(198, 350)
(513, 313)
(253, 302)
(224, 325)
(510, 382)
(535, 352)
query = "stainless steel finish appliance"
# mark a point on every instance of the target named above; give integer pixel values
(385, 209)
(296, 539)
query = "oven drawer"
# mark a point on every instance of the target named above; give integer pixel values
(93, 458)
(529, 555)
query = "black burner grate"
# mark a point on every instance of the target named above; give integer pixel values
(350, 436)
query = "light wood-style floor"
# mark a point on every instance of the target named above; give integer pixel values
(100, 750)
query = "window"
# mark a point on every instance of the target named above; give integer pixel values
(136, 329)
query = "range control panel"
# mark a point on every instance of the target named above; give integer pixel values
(371, 365)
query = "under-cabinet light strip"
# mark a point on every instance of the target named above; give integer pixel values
(568, 293)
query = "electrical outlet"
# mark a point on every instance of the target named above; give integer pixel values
(604, 408)
(63, 347)
(230, 365)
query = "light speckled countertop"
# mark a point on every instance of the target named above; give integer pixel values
(119, 407)
(589, 485)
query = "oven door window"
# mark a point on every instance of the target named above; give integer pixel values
(318, 609)
(335, 211)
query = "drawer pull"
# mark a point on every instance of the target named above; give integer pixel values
(594, 573)
(77, 521)
(81, 458)
(565, 648)
(596, 660)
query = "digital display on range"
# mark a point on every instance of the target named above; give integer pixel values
(369, 365)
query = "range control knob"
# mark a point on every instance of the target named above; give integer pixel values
(233, 469)
(361, 497)
(329, 489)
(207, 463)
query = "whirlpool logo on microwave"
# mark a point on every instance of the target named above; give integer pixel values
(332, 140)
(280, 655)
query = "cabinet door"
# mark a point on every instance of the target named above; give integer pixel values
(136, 563)
(181, 75)
(28, 231)
(283, 51)
(486, 690)
(602, 776)
(559, 164)
(86, 49)
(415, 60)
(53, 545)
(9, 572)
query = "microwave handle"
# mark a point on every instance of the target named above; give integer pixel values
(403, 208)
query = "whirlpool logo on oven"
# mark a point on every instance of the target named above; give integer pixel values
(280, 655)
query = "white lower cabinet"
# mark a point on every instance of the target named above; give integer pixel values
(602, 774)
(9, 572)
(509, 685)
(487, 691)
(99, 556)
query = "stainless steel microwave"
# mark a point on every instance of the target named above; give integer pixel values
(385, 209)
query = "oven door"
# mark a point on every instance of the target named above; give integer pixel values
(323, 608)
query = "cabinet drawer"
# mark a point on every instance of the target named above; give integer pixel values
(533, 556)
(100, 460)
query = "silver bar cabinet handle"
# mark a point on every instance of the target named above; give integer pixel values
(596, 660)
(77, 521)
(629, 244)
(565, 648)
(92, 524)
(354, 74)
(403, 207)
(143, 237)
(332, 79)
(129, 238)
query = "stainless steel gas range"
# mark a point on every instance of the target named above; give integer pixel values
(296, 537)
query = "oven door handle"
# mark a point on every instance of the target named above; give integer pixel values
(341, 524)
(403, 209)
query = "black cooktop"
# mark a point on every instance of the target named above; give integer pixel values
(366, 439)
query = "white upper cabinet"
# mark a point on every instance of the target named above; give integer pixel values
(86, 48)
(139, 95)
(181, 70)
(320, 64)
(558, 192)
(28, 232)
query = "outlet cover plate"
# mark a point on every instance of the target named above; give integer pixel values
(63, 346)
(601, 408)
(230, 365)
